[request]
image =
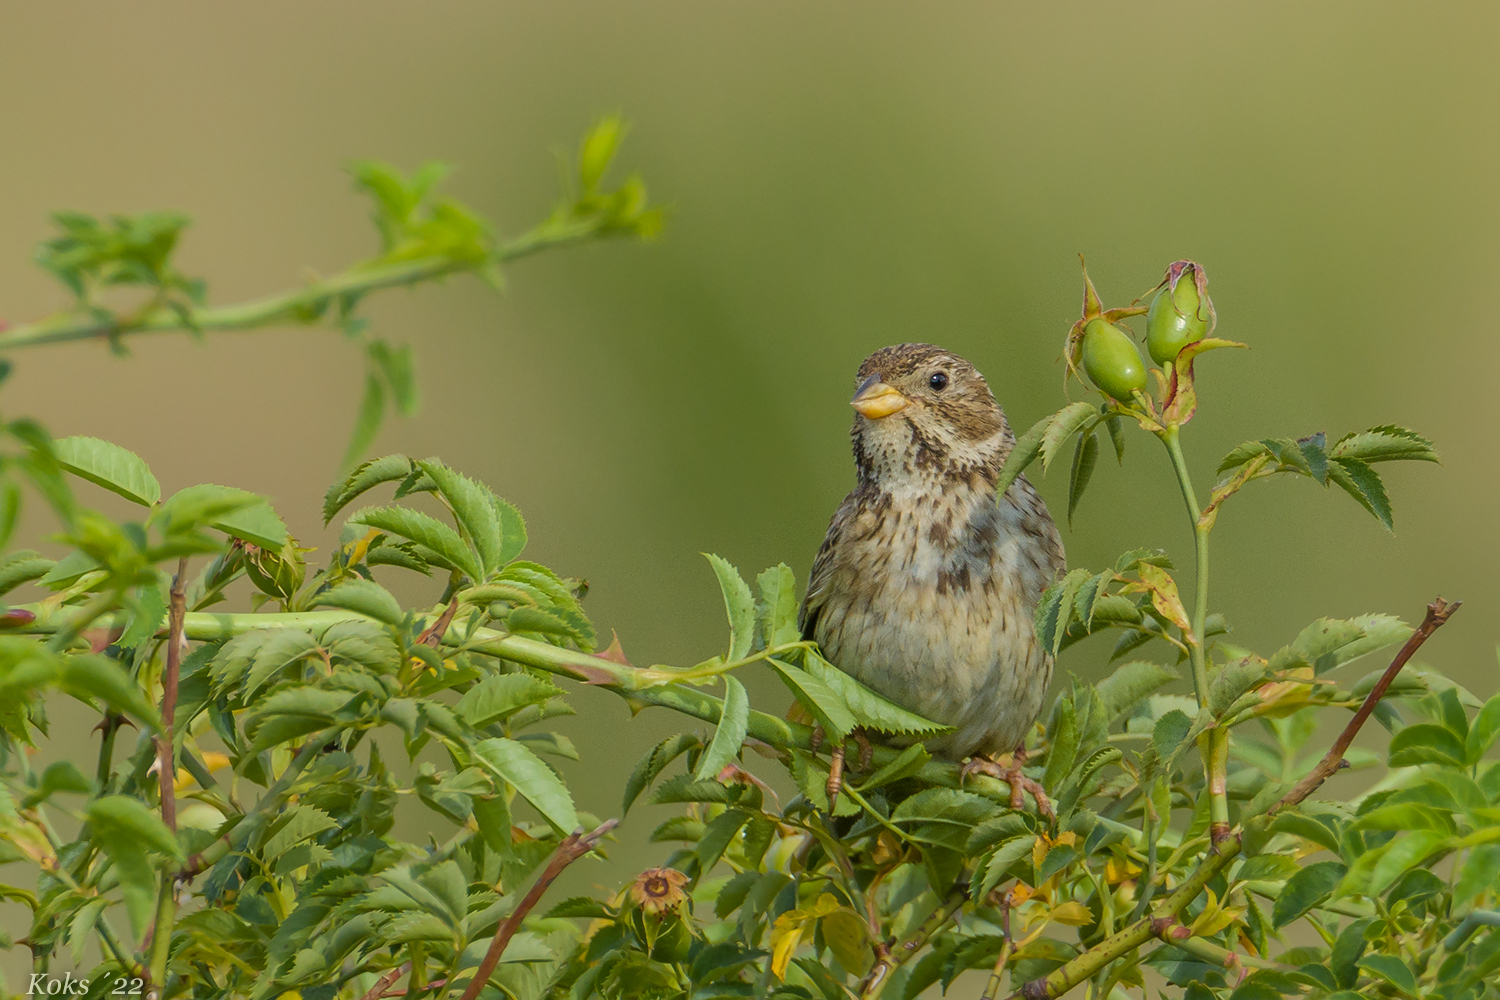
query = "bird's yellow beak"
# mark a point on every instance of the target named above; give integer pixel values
(874, 399)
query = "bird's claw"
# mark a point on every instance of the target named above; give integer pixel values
(836, 755)
(1013, 776)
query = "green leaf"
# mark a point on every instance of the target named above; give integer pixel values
(869, 709)
(1123, 690)
(534, 780)
(1055, 609)
(60, 776)
(391, 468)
(992, 868)
(1481, 871)
(1387, 443)
(98, 676)
(21, 567)
(365, 597)
(1482, 732)
(367, 423)
(472, 506)
(1065, 423)
(1363, 484)
(729, 737)
(1170, 731)
(499, 695)
(1084, 458)
(1329, 643)
(148, 610)
(1117, 436)
(257, 524)
(1392, 970)
(739, 605)
(110, 466)
(1426, 743)
(1063, 746)
(512, 529)
(1244, 453)
(197, 506)
(825, 704)
(424, 530)
(777, 608)
(1268, 868)
(907, 763)
(1022, 454)
(280, 649)
(130, 818)
(1403, 853)
(394, 365)
(1309, 828)
(1232, 680)
(653, 763)
(1306, 889)
(300, 823)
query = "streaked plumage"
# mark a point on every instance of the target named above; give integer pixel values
(924, 587)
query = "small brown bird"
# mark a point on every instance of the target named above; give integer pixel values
(925, 587)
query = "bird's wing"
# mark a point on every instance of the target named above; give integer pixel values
(822, 568)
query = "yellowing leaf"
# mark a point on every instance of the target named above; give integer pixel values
(1072, 913)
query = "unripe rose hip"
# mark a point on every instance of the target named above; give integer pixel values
(1111, 361)
(1181, 313)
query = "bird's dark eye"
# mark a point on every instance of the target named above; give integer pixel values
(938, 381)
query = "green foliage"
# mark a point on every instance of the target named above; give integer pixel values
(1177, 849)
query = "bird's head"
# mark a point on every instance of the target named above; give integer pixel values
(923, 415)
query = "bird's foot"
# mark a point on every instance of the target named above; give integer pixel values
(836, 760)
(1013, 776)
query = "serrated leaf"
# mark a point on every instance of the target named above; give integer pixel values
(1363, 484)
(1482, 732)
(257, 524)
(474, 507)
(992, 868)
(1170, 731)
(425, 530)
(1306, 889)
(300, 823)
(1065, 423)
(653, 763)
(367, 422)
(1386, 443)
(499, 695)
(367, 475)
(512, 529)
(907, 763)
(825, 704)
(1021, 455)
(108, 465)
(205, 504)
(777, 608)
(534, 780)
(21, 567)
(279, 650)
(365, 597)
(729, 737)
(869, 709)
(131, 818)
(1130, 682)
(1084, 458)
(1244, 453)
(738, 604)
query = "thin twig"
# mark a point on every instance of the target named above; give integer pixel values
(1438, 613)
(165, 743)
(573, 847)
(385, 982)
(892, 960)
(433, 634)
(992, 988)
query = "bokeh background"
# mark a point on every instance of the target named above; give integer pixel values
(841, 176)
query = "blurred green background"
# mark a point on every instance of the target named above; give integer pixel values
(842, 176)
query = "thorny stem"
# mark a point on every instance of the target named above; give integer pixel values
(893, 959)
(1438, 613)
(573, 847)
(302, 305)
(992, 988)
(166, 900)
(1215, 741)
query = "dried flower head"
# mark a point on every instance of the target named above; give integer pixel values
(658, 889)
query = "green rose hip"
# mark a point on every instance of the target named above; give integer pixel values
(1181, 313)
(1111, 361)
